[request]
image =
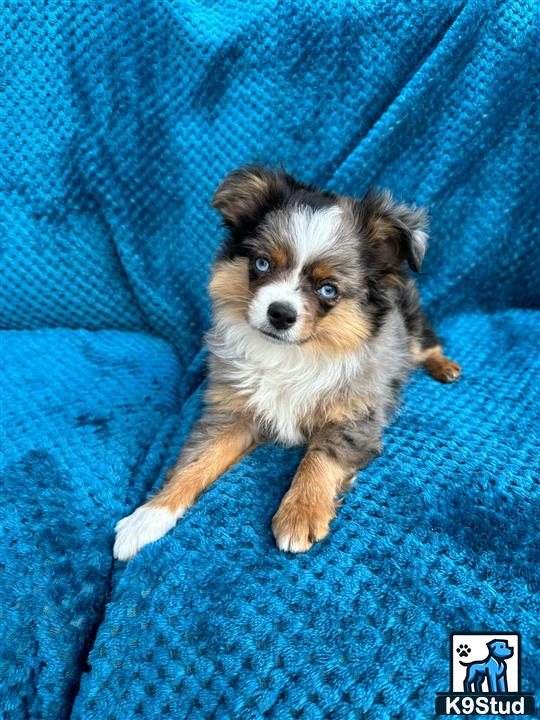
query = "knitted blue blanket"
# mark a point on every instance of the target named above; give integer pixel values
(118, 121)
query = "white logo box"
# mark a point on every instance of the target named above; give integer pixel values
(477, 643)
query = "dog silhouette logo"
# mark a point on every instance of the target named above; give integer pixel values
(485, 676)
(491, 669)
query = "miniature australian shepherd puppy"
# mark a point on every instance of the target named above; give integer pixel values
(316, 326)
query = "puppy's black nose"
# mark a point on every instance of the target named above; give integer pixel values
(281, 315)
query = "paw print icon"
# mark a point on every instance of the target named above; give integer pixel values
(463, 650)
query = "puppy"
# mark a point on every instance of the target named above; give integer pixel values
(316, 327)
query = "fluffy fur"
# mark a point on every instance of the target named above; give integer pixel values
(316, 326)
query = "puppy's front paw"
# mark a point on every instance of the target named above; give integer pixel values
(297, 524)
(145, 525)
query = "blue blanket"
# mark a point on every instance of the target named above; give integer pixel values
(119, 119)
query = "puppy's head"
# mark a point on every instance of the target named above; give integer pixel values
(307, 267)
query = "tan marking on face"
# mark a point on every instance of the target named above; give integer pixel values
(341, 330)
(279, 257)
(321, 272)
(187, 481)
(308, 508)
(437, 365)
(229, 287)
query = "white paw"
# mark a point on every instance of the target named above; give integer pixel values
(143, 526)
(289, 544)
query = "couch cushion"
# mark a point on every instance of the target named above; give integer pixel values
(85, 425)
(438, 535)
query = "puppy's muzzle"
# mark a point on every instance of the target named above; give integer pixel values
(281, 315)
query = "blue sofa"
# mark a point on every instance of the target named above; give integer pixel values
(119, 119)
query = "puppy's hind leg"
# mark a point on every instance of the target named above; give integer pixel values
(215, 445)
(427, 350)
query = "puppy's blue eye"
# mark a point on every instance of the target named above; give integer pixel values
(328, 292)
(262, 264)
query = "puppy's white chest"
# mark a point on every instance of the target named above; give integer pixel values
(285, 395)
(280, 403)
(284, 386)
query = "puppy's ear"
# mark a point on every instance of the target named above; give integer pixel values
(395, 232)
(247, 193)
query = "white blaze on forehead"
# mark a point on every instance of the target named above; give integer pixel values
(314, 232)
